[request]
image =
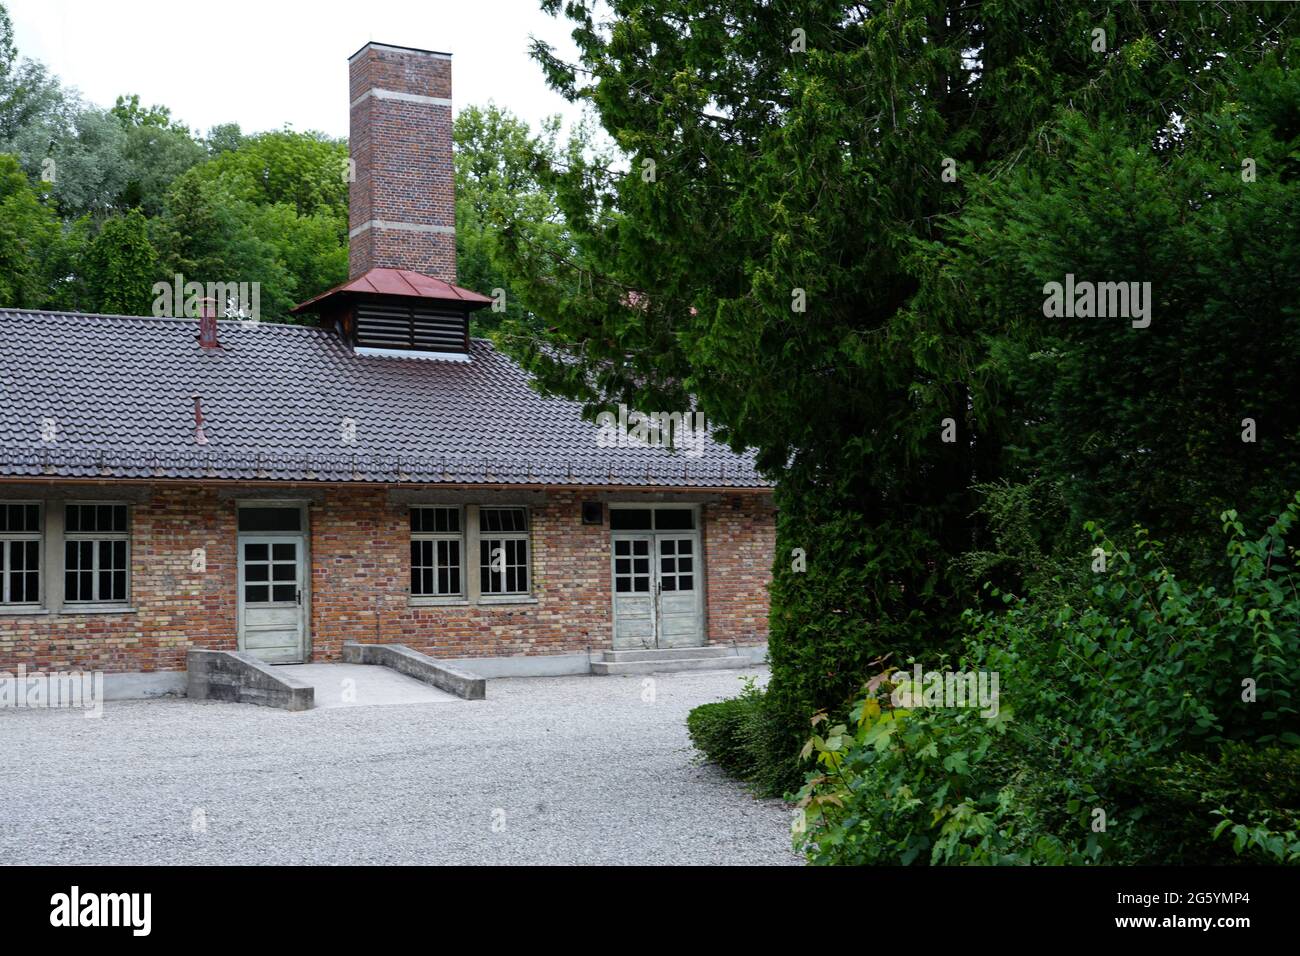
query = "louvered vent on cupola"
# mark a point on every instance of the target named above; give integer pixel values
(393, 312)
(401, 213)
(391, 325)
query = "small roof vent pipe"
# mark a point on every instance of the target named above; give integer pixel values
(208, 324)
(200, 437)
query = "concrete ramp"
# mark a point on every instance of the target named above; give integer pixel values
(360, 685)
(441, 674)
(241, 678)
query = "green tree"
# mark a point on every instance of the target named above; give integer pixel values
(206, 235)
(29, 237)
(767, 254)
(308, 247)
(224, 137)
(270, 208)
(27, 91)
(1169, 424)
(498, 159)
(308, 171)
(157, 150)
(121, 265)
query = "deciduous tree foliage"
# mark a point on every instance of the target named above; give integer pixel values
(267, 207)
(788, 149)
(272, 208)
(497, 181)
(121, 266)
(29, 232)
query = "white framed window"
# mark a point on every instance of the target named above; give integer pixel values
(96, 552)
(20, 552)
(437, 552)
(503, 551)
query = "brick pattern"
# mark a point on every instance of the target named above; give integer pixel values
(176, 608)
(360, 549)
(739, 539)
(403, 157)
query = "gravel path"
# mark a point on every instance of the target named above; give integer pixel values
(564, 770)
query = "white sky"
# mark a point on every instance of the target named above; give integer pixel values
(265, 63)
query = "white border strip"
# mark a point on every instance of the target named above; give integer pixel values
(373, 352)
(404, 97)
(400, 227)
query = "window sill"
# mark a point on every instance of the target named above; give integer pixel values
(436, 602)
(22, 611)
(507, 599)
(98, 609)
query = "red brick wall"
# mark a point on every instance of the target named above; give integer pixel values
(360, 549)
(176, 607)
(739, 537)
(403, 162)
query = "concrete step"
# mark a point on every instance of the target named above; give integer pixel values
(613, 668)
(669, 653)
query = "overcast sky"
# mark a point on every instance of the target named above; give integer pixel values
(267, 63)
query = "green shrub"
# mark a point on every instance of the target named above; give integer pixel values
(909, 787)
(718, 730)
(1253, 790)
(872, 589)
(1161, 709)
(741, 736)
(1271, 845)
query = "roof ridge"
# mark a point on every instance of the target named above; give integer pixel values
(188, 320)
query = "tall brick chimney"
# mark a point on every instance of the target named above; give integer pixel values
(402, 205)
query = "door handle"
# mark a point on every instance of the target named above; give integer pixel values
(299, 592)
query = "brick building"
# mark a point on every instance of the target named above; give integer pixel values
(377, 476)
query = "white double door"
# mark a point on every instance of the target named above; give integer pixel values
(658, 590)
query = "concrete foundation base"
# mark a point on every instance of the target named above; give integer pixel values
(144, 685)
(137, 686)
(562, 665)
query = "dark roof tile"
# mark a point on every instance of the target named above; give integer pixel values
(275, 397)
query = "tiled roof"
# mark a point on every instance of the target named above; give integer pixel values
(401, 282)
(118, 391)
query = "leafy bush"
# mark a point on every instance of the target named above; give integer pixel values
(1137, 722)
(1253, 790)
(741, 736)
(1271, 845)
(911, 786)
(718, 730)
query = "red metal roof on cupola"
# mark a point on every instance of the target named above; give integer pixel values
(400, 282)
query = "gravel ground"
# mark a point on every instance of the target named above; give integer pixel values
(564, 770)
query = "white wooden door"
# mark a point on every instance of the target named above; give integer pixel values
(271, 618)
(658, 591)
(679, 613)
(634, 597)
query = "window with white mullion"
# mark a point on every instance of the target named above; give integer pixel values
(20, 553)
(96, 553)
(503, 551)
(437, 546)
